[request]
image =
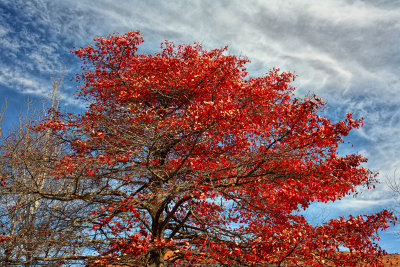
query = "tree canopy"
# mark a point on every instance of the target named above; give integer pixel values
(182, 157)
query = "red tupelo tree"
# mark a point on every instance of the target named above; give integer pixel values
(190, 160)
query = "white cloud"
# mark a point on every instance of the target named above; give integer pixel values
(359, 205)
(329, 44)
(3, 30)
(354, 13)
(17, 80)
(27, 84)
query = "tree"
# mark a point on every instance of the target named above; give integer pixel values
(35, 230)
(190, 160)
(393, 182)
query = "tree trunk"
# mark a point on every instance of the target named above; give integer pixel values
(156, 259)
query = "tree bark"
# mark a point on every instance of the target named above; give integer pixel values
(156, 259)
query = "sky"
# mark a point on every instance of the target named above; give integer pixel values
(347, 52)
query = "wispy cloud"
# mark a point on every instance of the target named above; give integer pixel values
(334, 44)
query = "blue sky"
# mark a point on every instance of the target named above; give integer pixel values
(347, 52)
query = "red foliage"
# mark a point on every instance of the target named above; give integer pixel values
(200, 159)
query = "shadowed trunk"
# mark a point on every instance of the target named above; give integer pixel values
(156, 259)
